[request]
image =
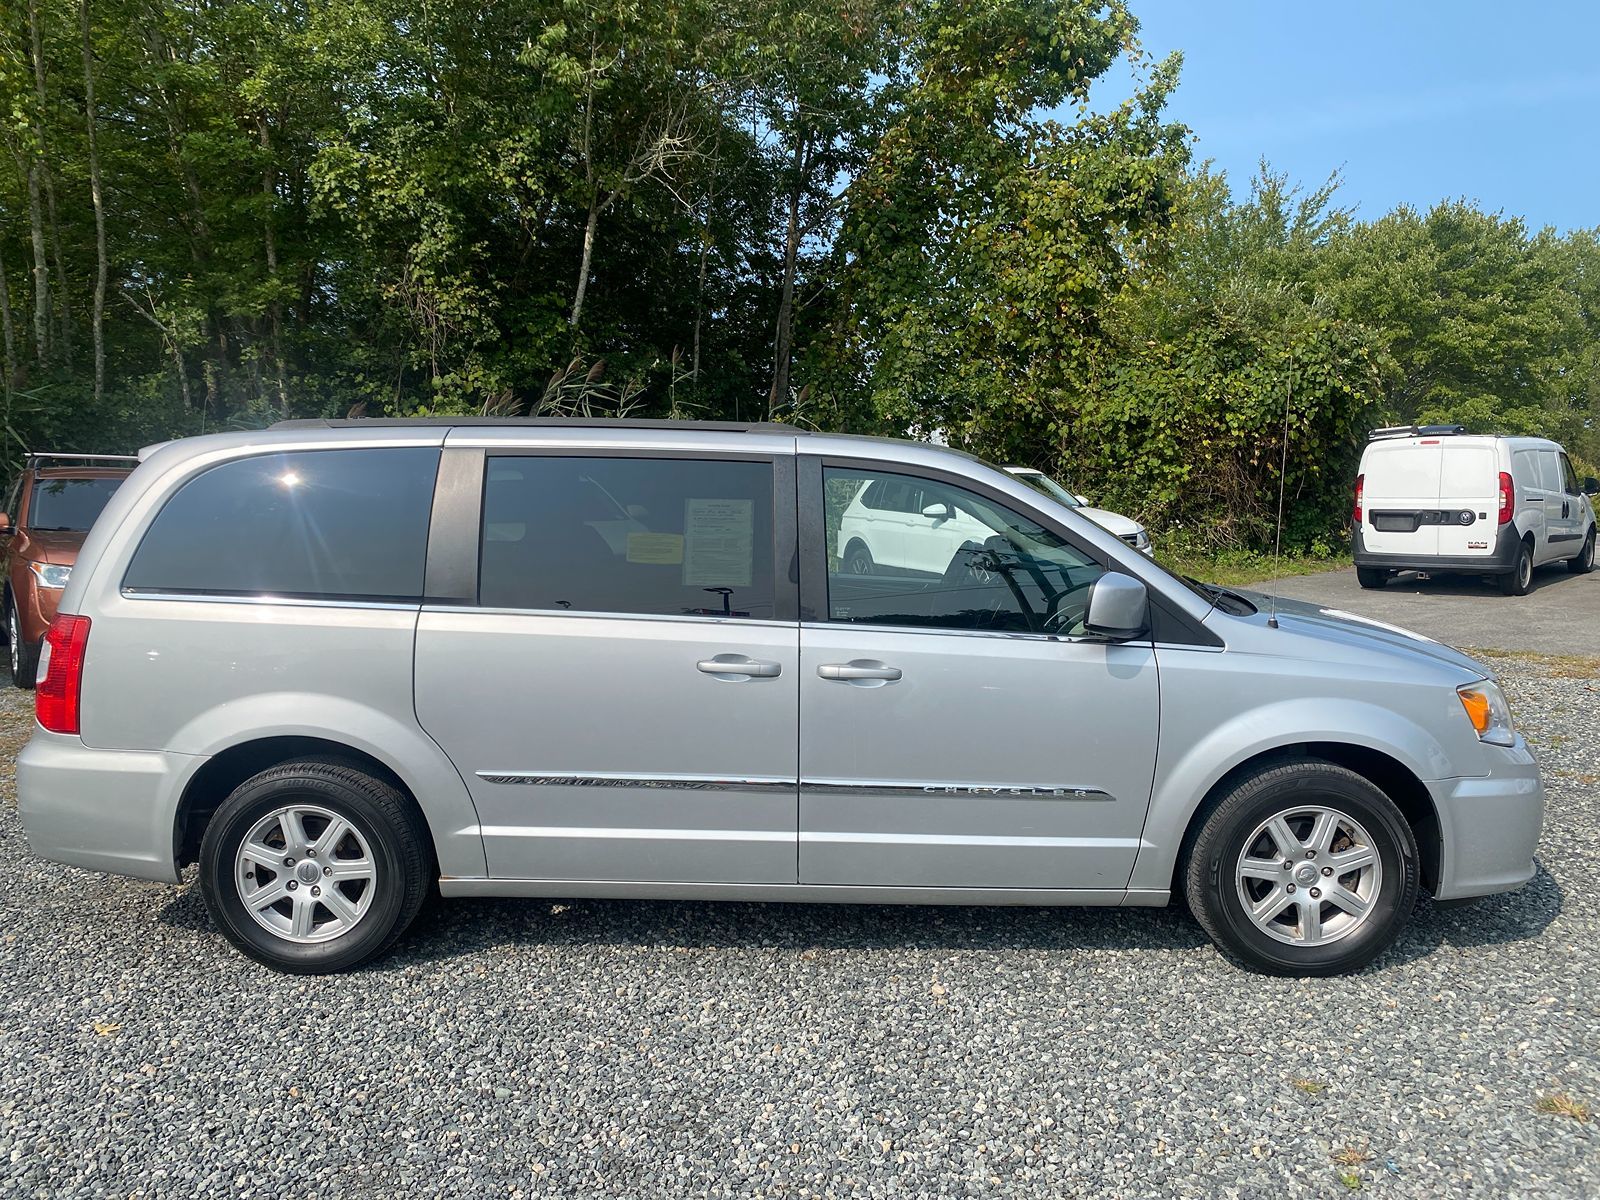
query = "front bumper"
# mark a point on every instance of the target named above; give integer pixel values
(1489, 826)
(107, 810)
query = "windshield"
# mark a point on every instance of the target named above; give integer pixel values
(69, 504)
(1042, 483)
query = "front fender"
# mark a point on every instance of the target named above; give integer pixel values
(1194, 757)
(405, 749)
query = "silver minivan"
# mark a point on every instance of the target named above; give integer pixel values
(338, 664)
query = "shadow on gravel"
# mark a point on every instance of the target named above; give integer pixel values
(1448, 583)
(447, 929)
(1492, 921)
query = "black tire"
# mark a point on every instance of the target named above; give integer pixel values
(1582, 562)
(24, 654)
(1211, 880)
(1519, 580)
(1371, 577)
(396, 836)
(858, 560)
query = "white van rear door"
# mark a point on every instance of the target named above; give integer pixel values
(1400, 483)
(1469, 483)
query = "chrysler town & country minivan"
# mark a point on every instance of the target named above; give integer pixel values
(336, 664)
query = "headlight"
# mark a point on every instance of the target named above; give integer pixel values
(1486, 708)
(49, 575)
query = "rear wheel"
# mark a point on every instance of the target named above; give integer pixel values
(1520, 578)
(314, 866)
(1371, 577)
(1583, 562)
(858, 560)
(24, 655)
(1304, 868)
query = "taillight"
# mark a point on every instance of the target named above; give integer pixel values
(1508, 497)
(1360, 483)
(60, 687)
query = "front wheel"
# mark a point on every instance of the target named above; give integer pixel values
(1304, 868)
(24, 654)
(314, 866)
(1583, 562)
(1520, 579)
(1371, 577)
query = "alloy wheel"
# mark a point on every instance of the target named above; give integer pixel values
(1309, 876)
(305, 874)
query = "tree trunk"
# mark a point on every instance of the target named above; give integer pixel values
(102, 266)
(36, 39)
(9, 328)
(41, 269)
(588, 253)
(783, 338)
(269, 194)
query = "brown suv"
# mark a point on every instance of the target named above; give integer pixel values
(50, 509)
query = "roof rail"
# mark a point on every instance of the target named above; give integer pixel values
(1399, 431)
(540, 422)
(37, 459)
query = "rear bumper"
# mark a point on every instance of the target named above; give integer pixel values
(1502, 560)
(107, 810)
(1489, 826)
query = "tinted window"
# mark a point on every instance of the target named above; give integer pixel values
(968, 563)
(673, 537)
(347, 524)
(69, 504)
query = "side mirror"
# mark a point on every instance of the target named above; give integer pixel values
(939, 512)
(1119, 607)
(637, 511)
(5, 525)
(1591, 487)
(1083, 500)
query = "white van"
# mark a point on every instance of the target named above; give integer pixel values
(1434, 498)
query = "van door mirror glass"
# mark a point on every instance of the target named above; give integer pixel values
(1591, 487)
(1119, 607)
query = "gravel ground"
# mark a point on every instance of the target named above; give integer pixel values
(640, 1049)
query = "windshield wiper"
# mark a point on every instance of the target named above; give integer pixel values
(1238, 604)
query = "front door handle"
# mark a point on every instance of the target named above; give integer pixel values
(859, 671)
(734, 667)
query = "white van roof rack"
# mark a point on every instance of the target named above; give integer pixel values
(1399, 431)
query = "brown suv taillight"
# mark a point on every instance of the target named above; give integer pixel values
(60, 688)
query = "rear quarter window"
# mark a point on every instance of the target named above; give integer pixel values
(319, 524)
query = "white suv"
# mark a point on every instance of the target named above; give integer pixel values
(1433, 498)
(906, 527)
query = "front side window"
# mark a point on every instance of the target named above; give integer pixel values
(1569, 477)
(960, 562)
(69, 505)
(667, 537)
(318, 524)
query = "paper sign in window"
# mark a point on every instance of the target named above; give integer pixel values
(659, 549)
(718, 542)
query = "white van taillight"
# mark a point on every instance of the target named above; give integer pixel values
(1361, 481)
(1508, 498)
(60, 687)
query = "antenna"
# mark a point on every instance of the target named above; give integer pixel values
(1283, 478)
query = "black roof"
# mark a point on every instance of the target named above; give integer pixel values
(545, 422)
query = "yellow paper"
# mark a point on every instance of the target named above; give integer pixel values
(662, 549)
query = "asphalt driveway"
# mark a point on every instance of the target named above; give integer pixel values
(1560, 616)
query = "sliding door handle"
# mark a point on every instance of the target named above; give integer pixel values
(859, 670)
(735, 667)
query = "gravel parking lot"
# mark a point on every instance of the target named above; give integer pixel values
(632, 1049)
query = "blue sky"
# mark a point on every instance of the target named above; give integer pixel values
(1414, 102)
